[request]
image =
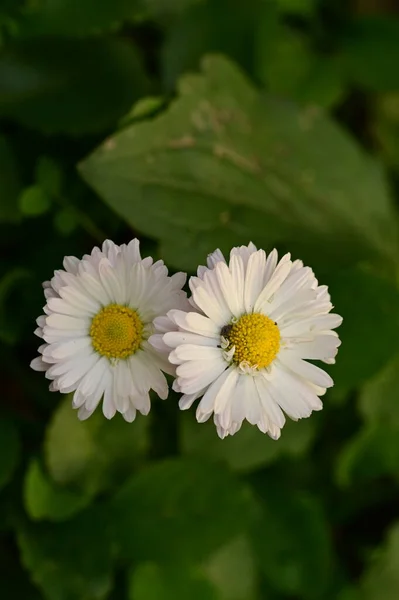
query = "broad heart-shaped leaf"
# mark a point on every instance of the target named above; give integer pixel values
(221, 151)
(179, 509)
(10, 185)
(370, 454)
(154, 582)
(381, 579)
(291, 543)
(378, 399)
(370, 329)
(370, 52)
(95, 454)
(69, 560)
(59, 85)
(66, 17)
(249, 449)
(44, 500)
(9, 442)
(233, 571)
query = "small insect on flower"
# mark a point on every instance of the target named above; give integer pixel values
(98, 318)
(245, 344)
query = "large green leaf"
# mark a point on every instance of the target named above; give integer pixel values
(220, 152)
(69, 560)
(370, 52)
(370, 454)
(179, 508)
(370, 329)
(94, 454)
(58, 86)
(291, 543)
(247, 450)
(154, 582)
(72, 17)
(381, 579)
(10, 445)
(44, 500)
(378, 399)
(232, 570)
(287, 65)
(10, 185)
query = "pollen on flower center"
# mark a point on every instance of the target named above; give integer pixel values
(256, 339)
(116, 331)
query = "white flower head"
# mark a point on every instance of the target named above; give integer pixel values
(98, 318)
(244, 345)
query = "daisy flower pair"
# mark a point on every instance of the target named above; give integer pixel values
(114, 323)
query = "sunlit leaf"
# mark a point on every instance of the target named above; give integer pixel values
(44, 500)
(95, 454)
(154, 582)
(221, 153)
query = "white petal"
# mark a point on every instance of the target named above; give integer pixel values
(177, 338)
(207, 404)
(38, 364)
(254, 279)
(214, 258)
(186, 352)
(196, 374)
(306, 370)
(276, 279)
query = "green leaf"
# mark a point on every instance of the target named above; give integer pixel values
(143, 109)
(300, 7)
(373, 452)
(370, 52)
(386, 127)
(68, 17)
(203, 28)
(232, 570)
(96, 454)
(378, 399)
(69, 560)
(58, 86)
(10, 185)
(154, 582)
(48, 176)
(381, 579)
(44, 500)
(370, 330)
(197, 504)
(220, 152)
(65, 221)
(249, 449)
(291, 543)
(9, 442)
(160, 8)
(34, 201)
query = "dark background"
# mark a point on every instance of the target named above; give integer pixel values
(196, 124)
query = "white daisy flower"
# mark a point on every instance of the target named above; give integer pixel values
(98, 318)
(245, 343)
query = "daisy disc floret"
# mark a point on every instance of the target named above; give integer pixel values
(244, 346)
(98, 317)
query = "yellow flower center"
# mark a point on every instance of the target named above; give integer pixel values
(116, 331)
(256, 339)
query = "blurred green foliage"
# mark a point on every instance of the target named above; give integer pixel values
(196, 124)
